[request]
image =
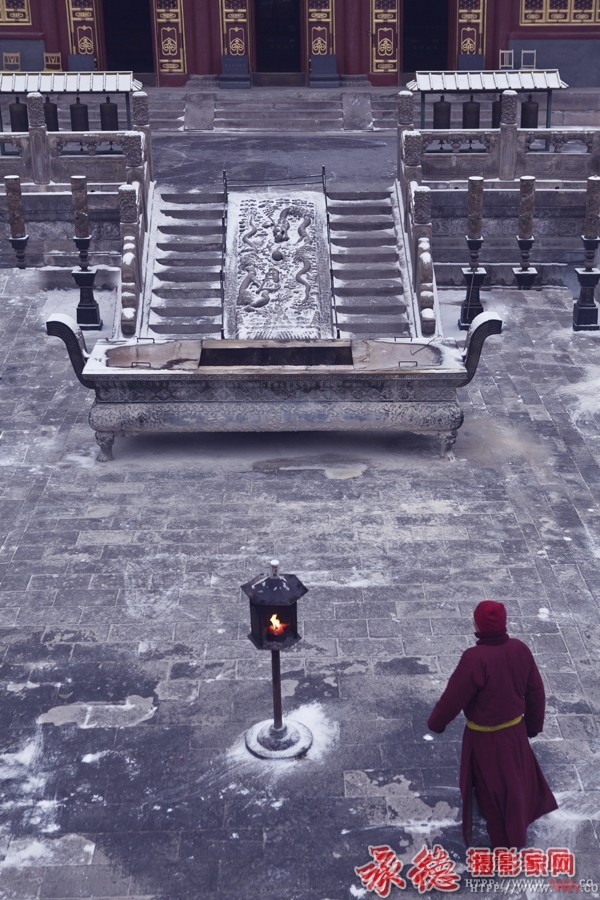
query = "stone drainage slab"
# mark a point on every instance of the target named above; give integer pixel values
(277, 282)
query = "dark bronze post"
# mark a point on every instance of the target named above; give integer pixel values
(585, 311)
(473, 274)
(276, 673)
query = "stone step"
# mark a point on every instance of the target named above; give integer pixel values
(359, 196)
(239, 104)
(183, 246)
(367, 288)
(189, 325)
(360, 223)
(295, 124)
(366, 207)
(197, 276)
(391, 327)
(362, 272)
(201, 260)
(179, 309)
(181, 292)
(368, 239)
(369, 305)
(198, 213)
(207, 231)
(376, 254)
(209, 197)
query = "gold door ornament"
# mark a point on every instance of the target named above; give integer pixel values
(82, 18)
(318, 41)
(320, 25)
(468, 41)
(237, 41)
(560, 12)
(85, 40)
(170, 31)
(384, 37)
(471, 27)
(234, 27)
(15, 12)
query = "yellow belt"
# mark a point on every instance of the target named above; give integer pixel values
(475, 727)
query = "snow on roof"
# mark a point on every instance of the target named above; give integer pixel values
(68, 82)
(479, 82)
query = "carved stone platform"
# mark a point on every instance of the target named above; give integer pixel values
(326, 385)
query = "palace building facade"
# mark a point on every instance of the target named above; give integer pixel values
(278, 41)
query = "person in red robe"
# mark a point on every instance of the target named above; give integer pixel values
(499, 688)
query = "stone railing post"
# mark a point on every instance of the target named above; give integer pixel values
(411, 148)
(421, 225)
(424, 286)
(39, 148)
(129, 216)
(133, 150)
(508, 136)
(141, 122)
(128, 210)
(130, 285)
(406, 115)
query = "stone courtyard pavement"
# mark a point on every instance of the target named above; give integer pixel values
(127, 680)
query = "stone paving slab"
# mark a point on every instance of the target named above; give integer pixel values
(126, 677)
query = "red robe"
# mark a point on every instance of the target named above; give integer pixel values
(494, 682)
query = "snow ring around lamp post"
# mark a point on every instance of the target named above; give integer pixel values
(289, 742)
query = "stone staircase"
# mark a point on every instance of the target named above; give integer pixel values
(280, 112)
(183, 298)
(367, 264)
(167, 108)
(384, 108)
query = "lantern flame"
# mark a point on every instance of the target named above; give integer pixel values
(276, 626)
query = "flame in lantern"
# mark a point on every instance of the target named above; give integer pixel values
(276, 626)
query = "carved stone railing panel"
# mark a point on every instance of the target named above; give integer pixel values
(457, 141)
(558, 139)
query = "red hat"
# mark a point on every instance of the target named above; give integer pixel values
(490, 617)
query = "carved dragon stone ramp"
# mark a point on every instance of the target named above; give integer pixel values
(277, 284)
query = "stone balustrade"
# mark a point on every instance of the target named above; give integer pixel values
(505, 153)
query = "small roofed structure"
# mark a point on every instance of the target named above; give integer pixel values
(68, 82)
(75, 83)
(488, 82)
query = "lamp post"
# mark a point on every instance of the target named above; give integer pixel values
(274, 627)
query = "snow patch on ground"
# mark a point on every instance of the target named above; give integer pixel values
(406, 809)
(91, 758)
(583, 398)
(335, 473)
(69, 850)
(23, 780)
(131, 712)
